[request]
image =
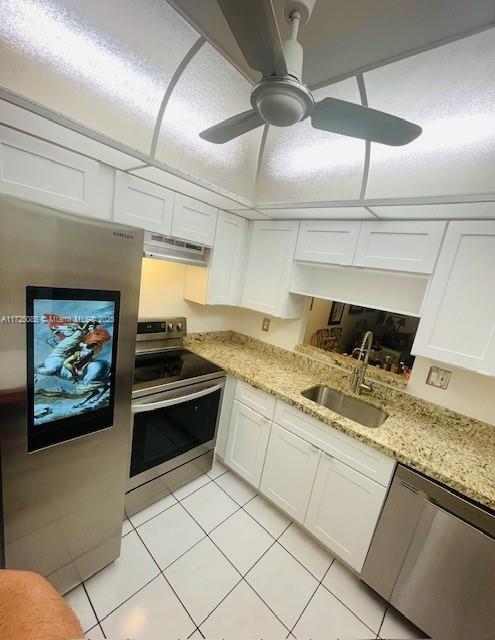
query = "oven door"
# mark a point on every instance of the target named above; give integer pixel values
(173, 427)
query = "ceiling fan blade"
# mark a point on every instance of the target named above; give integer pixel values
(349, 119)
(254, 27)
(233, 127)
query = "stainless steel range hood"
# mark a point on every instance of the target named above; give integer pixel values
(162, 247)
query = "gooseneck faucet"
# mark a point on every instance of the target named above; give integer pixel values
(357, 381)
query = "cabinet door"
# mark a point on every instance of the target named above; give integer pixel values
(343, 510)
(225, 416)
(227, 260)
(143, 204)
(44, 173)
(289, 472)
(457, 325)
(329, 242)
(269, 267)
(246, 443)
(194, 220)
(399, 246)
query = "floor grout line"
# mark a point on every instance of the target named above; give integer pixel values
(150, 518)
(100, 620)
(165, 578)
(236, 569)
(311, 597)
(92, 607)
(243, 576)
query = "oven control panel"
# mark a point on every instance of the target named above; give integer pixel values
(161, 329)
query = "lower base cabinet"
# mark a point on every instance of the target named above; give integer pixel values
(322, 491)
(246, 443)
(343, 510)
(289, 472)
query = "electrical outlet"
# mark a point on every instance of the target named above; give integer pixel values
(266, 324)
(438, 377)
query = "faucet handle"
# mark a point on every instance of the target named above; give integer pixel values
(366, 386)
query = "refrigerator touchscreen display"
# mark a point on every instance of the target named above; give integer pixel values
(71, 351)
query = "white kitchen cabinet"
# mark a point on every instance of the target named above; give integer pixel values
(255, 399)
(194, 220)
(246, 443)
(225, 416)
(143, 204)
(343, 510)
(41, 172)
(269, 267)
(457, 324)
(399, 246)
(220, 282)
(328, 242)
(289, 472)
(358, 455)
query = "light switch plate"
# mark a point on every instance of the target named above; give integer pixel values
(266, 324)
(438, 377)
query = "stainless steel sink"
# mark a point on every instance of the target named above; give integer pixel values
(347, 406)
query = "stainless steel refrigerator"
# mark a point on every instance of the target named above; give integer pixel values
(69, 289)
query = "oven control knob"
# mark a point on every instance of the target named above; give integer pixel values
(170, 326)
(179, 326)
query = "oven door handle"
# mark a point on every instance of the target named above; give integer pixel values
(150, 406)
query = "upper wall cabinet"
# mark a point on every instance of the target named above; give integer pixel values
(327, 241)
(269, 269)
(143, 204)
(221, 282)
(458, 321)
(194, 220)
(399, 246)
(44, 173)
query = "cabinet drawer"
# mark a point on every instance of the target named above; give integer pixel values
(356, 454)
(42, 172)
(399, 246)
(194, 220)
(143, 204)
(327, 241)
(257, 400)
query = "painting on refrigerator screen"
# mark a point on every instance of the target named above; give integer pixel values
(72, 357)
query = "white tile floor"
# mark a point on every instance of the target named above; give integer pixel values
(218, 561)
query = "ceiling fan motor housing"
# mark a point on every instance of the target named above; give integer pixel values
(281, 101)
(305, 8)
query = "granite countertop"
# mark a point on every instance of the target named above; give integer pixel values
(454, 449)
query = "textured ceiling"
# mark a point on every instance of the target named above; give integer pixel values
(137, 72)
(344, 37)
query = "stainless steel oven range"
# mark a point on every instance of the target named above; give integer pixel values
(176, 400)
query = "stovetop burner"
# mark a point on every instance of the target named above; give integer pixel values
(162, 362)
(166, 367)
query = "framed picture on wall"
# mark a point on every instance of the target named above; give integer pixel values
(336, 311)
(354, 310)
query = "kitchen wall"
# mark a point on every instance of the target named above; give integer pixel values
(162, 295)
(468, 393)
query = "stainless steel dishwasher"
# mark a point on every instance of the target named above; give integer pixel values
(433, 558)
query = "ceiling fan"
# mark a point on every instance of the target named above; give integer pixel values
(280, 98)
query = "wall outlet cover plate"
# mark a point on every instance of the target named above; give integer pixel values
(438, 377)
